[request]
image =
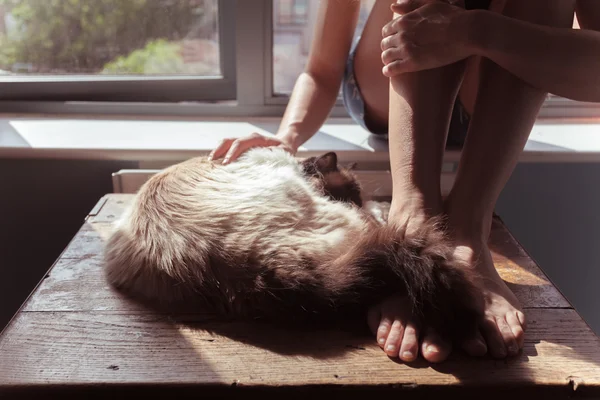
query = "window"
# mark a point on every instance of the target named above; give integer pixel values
(291, 12)
(291, 46)
(101, 49)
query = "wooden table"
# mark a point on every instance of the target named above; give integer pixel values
(76, 336)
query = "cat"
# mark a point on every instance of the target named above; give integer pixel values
(271, 237)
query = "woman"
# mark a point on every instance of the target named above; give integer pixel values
(426, 51)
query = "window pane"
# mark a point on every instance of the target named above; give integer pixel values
(109, 37)
(293, 21)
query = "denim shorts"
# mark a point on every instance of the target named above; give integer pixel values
(354, 103)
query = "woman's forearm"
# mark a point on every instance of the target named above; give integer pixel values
(316, 89)
(564, 62)
(310, 104)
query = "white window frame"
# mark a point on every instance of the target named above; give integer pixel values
(99, 88)
(246, 29)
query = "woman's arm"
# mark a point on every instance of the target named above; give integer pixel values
(561, 61)
(317, 87)
(564, 62)
(315, 90)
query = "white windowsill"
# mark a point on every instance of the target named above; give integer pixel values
(171, 141)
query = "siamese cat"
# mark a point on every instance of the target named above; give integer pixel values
(271, 237)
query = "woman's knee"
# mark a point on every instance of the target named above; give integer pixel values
(556, 13)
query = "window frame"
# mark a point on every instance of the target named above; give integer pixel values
(273, 99)
(154, 88)
(292, 22)
(247, 90)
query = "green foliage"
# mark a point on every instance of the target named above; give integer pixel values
(157, 57)
(81, 36)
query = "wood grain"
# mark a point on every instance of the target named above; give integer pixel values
(76, 335)
(81, 347)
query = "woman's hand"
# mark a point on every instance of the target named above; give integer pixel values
(427, 34)
(232, 148)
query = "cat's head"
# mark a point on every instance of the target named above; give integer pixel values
(336, 182)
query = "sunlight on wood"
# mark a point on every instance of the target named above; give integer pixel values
(515, 273)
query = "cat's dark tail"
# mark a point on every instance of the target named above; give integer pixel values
(383, 261)
(421, 265)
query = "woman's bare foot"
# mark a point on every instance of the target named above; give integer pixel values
(504, 324)
(391, 321)
(398, 334)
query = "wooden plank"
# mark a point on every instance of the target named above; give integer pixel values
(78, 348)
(503, 244)
(88, 242)
(111, 209)
(76, 333)
(78, 285)
(530, 284)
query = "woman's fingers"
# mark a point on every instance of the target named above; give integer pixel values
(432, 36)
(237, 148)
(390, 42)
(240, 146)
(391, 55)
(232, 148)
(398, 67)
(221, 149)
(406, 6)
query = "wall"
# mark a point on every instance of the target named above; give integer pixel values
(553, 210)
(33, 228)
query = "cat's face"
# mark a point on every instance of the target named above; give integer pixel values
(334, 181)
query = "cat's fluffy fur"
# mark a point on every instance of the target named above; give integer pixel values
(265, 237)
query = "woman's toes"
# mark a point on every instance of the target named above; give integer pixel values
(383, 331)
(522, 319)
(517, 330)
(493, 337)
(409, 349)
(507, 336)
(434, 349)
(394, 338)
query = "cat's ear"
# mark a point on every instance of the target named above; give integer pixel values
(351, 166)
(327, 162)
(308, 166)
(308, 161)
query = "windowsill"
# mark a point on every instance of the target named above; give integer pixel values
(171, 141)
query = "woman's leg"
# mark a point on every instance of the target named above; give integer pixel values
(504, 114)
(418, 109)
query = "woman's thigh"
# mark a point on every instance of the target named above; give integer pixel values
(372, 86)
(558, 13)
